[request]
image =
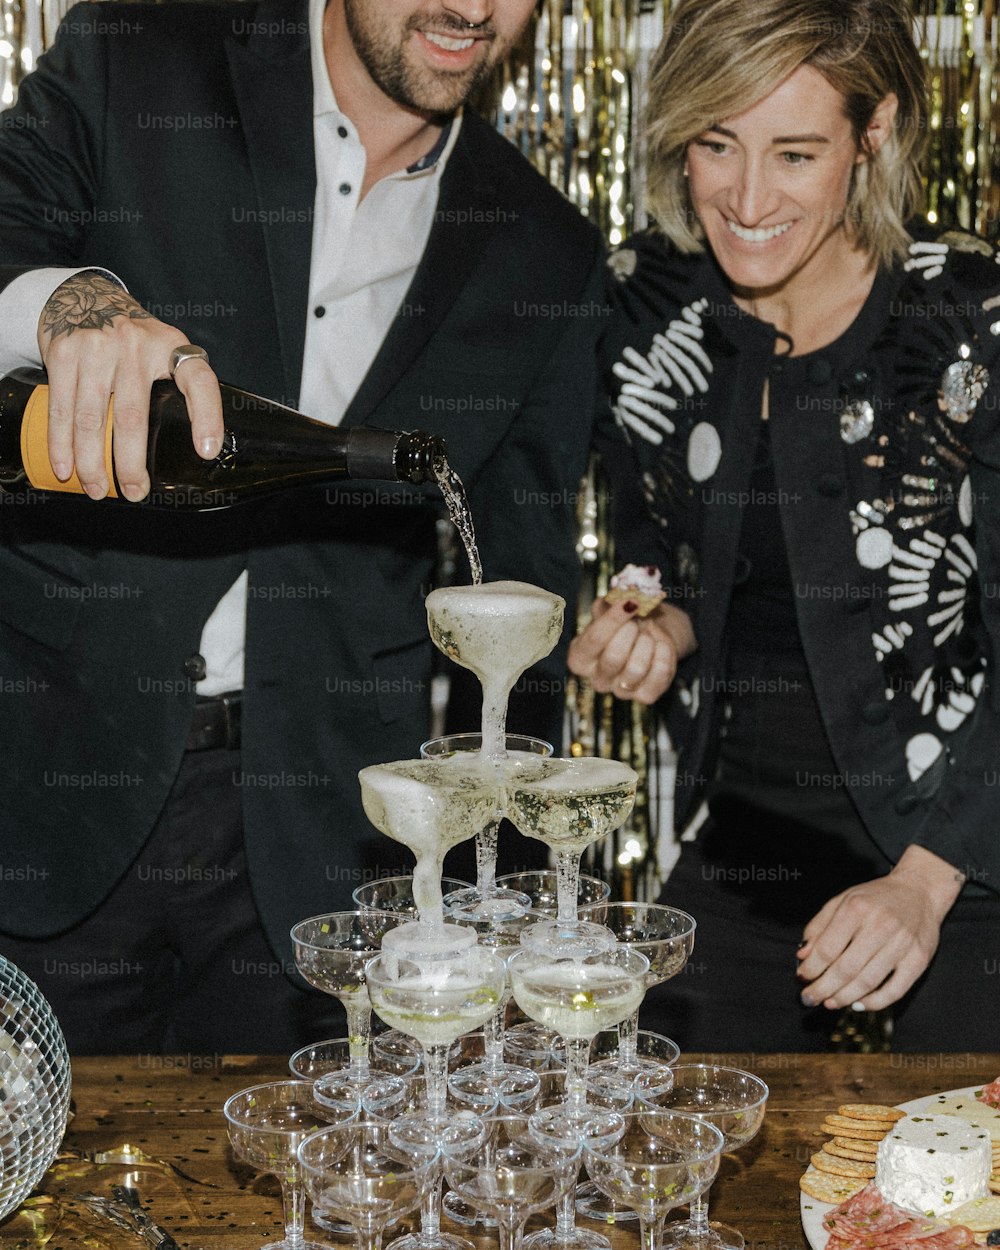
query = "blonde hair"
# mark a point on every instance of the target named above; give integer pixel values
(720, 57)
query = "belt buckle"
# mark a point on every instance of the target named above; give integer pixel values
(231, 719)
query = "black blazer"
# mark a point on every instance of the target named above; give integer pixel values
(886, 447)
(173, 144)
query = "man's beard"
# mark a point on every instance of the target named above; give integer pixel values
(423, 90)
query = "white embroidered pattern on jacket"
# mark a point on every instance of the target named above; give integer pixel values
(927, 258)
(892, 638)
(675, 358)
(961, 556)
(911, 571)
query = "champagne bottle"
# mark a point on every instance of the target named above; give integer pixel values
(266, 447)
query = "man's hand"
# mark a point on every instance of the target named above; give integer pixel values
(94, 340)
(868, 945)
(628, 657)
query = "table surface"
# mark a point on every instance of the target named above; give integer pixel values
(170, 1109)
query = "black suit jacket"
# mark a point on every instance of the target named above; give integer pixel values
(173, 144)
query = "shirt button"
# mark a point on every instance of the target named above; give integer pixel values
(905, 803)
(319, 311)
(830, 484)
(875, 713)
(194, 667)
(344, 188)
(342, 131)
(819, 371)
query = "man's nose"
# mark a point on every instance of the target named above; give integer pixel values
(470, 12)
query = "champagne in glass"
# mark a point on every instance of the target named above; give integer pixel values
(577, 998)
(429, 806)
(497, 630)
(568, 804)
(486, 901)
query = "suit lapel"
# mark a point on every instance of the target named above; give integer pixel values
(272, 81)
(456, 242)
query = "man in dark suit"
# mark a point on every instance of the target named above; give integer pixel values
(297, 190)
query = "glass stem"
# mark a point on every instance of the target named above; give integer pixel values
(430, 1215)
(567, 884)
(628, 1043)
(577, 1062)
(493, 1031)
(293, 1205)
(369, 1238)
(436, 1079)
(486, 860)
(511, 1235)
(359, 1030)
(566, 1213)
(651, 1233)
(698, 1225)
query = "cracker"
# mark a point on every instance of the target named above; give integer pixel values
(994, 1184)
(871, 1111)
(868, 1148)
(824, 1162)
(849, 1121)
(861, 1130)
(971, 1111)
(980, 1214)
(862, 1155)
(825, 1187)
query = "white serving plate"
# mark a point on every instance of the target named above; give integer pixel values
(813, 1211)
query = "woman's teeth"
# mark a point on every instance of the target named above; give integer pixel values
(759, 235)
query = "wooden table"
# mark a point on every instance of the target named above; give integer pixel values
(171, 1109)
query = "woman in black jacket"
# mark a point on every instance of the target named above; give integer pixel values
(809, 379)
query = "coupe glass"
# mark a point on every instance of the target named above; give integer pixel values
(578, 998)
(663, 1159)
(267, 1124)
(331, 952)
(513, 1177)
(510, 1083)
(485, 900)
(353, 1174)
(657, 1054)
(392, 1054)
(666, 937)
(396, 894)
(419, 1137)
(436, 1002)
(730, 1100)
(554, 1125)
(571, 804)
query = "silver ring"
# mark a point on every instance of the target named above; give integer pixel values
(186, 351)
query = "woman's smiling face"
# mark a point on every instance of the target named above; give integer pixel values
(770, 185)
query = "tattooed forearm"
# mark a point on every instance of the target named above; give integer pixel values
(87, 301)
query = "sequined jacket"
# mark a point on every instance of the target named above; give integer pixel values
(887, 453)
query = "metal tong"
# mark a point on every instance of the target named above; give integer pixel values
(127, 1212)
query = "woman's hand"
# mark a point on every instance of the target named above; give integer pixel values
(629, 657)
(868, 945)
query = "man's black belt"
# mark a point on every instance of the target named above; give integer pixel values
(216, 722)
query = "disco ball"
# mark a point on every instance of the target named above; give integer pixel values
(34, 1086)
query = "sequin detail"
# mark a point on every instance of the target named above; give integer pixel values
(962, 388)
(857, 421)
